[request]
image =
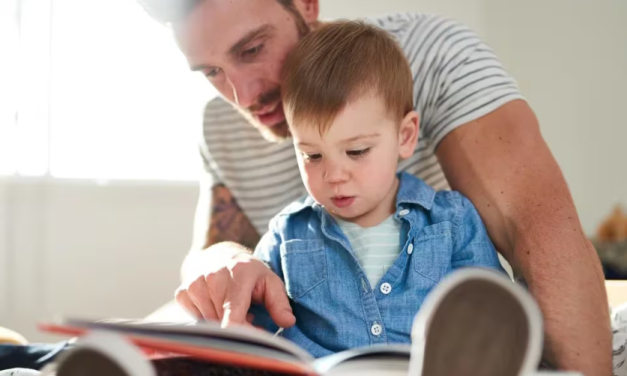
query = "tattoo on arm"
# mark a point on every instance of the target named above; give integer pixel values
(228, 222)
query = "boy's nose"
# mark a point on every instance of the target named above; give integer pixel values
(335, 175)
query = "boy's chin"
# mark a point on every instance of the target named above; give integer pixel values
(347, 214)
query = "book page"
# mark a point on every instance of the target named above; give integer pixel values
(242, 334)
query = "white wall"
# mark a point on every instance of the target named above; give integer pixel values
(79, 248)
(570, 59)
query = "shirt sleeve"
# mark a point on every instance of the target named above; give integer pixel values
(457, 77)
(211, 172)
(268, 252)
(472, 245)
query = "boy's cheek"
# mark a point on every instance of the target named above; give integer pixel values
(312, 179)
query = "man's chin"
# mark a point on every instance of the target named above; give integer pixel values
(276, 133)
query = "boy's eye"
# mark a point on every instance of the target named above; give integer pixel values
(312, 157)
(358, 153)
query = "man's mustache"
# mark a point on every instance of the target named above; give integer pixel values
(265, 99)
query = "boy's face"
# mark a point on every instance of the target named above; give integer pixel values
(351, 169)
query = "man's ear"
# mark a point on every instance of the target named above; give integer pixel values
(408, 135)
(309, 9)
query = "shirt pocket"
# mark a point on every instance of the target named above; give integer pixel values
(304, 264)
(433, 249)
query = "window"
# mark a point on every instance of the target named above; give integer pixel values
(8, 85)
(106, 95)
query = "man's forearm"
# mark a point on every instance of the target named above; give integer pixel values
(227, 225)
(228, 222)
(564, 274)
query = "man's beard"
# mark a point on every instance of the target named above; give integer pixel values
(275, 133)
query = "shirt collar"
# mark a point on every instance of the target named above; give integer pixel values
(412, 190)
(299, 205)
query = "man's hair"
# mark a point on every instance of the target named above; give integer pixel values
(168, 11)
(340, 62)
(173, 11)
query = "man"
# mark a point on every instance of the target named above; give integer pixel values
(473, 120)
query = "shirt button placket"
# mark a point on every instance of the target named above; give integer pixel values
(386, 288)
(376, 329)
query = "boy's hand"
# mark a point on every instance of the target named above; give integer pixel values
(225, 284)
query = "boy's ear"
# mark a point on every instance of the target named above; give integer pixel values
(309, 9)
(408, 134)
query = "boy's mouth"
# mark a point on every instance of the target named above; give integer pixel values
(343, 201)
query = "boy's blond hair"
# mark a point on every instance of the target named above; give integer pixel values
(340, 62)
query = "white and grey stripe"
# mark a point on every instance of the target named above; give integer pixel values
(457, 79)
(375, 248)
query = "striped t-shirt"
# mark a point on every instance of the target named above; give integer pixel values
(376, 248)
(457, 79)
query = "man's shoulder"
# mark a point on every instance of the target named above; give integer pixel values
(219, 114)
(218, 106)
(394, 21)
(415, 27)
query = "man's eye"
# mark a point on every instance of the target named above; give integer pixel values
(358, 153)
(212, 73)
(312, 157)
(252, 51)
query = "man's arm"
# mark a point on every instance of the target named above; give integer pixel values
(227, 222)
(502, 163)
(220, 276)
(218, 219)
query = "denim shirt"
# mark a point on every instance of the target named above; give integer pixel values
(334, 305)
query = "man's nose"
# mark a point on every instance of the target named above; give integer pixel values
(246, 89)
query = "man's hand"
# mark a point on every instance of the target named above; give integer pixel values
(221, 281)
(227, 279)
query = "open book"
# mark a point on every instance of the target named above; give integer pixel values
(240, 346)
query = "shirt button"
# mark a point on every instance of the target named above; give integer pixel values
(386, 288)
(403, 212)
(410, 248)
(376, 329)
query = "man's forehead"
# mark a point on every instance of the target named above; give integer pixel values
(215, 26)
